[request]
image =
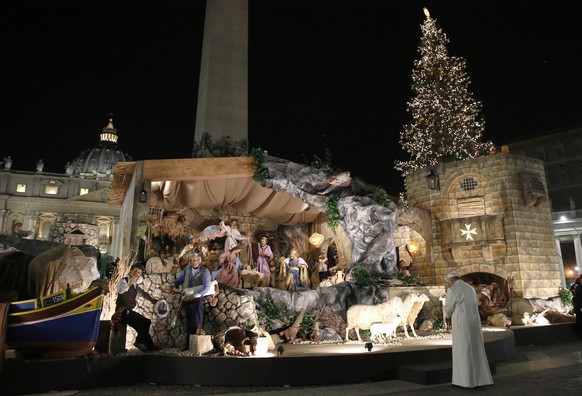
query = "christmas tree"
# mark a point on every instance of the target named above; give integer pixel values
(446, 119)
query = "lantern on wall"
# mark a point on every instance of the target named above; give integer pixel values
(143, 194)
(316, 239)
(412, 248)
(433, 180)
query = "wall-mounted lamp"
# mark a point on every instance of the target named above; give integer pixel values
(433, 180)
(143, 194)
(316, 239)
(412, 248)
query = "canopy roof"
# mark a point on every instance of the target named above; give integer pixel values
(206, 183)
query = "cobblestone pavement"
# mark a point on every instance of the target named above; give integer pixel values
(552, 369)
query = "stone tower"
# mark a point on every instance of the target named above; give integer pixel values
(490, 217)
(222, 113)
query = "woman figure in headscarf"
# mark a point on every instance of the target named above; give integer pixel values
(229, 273)
(265, 256)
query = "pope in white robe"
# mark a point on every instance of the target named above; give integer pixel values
(470, 365)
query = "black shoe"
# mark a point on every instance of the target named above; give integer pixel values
(142, 347)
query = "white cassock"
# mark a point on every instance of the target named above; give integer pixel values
(470, 365)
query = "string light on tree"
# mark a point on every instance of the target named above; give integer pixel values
(446, 122)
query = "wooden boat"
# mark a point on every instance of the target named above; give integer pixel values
(58, 325)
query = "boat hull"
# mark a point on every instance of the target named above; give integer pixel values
(67, 329)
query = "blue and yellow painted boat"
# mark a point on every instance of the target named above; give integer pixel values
(58, 325)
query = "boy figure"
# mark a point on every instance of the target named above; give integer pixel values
(322, 262)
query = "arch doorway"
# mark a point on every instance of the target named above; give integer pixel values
(493, 290)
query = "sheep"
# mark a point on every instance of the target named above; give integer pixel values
(418, 301)
(535, 318)
(336, 279)
(443, 300)
(386, 330)
(362, 316)
(325, 283)
(499, 320)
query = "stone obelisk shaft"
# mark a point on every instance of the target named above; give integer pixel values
(222, 113)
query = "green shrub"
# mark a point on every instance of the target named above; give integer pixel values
(271, 311)
(262, 171)
(381, 197)
(361, 276)
(307, 323)
(439, 324)
(566, 297)
(365, 334)
(318, 163)
(333, 214)
(407, 279)
(274, 310)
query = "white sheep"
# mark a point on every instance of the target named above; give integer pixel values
(386, 330)
(362, 316)
(443, 300)
(417, 301)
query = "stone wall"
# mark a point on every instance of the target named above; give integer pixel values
(490, 215)
(75, 234)
(238, 307)
(234, 307)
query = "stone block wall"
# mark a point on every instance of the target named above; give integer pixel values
(234, 307)
(491, 215)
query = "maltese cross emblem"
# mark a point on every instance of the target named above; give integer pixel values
(468, 231)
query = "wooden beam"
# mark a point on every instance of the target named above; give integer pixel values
(122, 173)
(198, 168)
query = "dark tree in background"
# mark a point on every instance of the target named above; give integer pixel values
(446, 119)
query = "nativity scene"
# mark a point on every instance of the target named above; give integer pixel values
(234, 255)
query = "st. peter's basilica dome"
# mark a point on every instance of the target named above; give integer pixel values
(98, 162)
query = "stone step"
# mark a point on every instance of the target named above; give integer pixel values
(430, 373)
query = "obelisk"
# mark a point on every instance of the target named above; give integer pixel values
(222, 112)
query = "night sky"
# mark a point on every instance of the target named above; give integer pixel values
(321, 73)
